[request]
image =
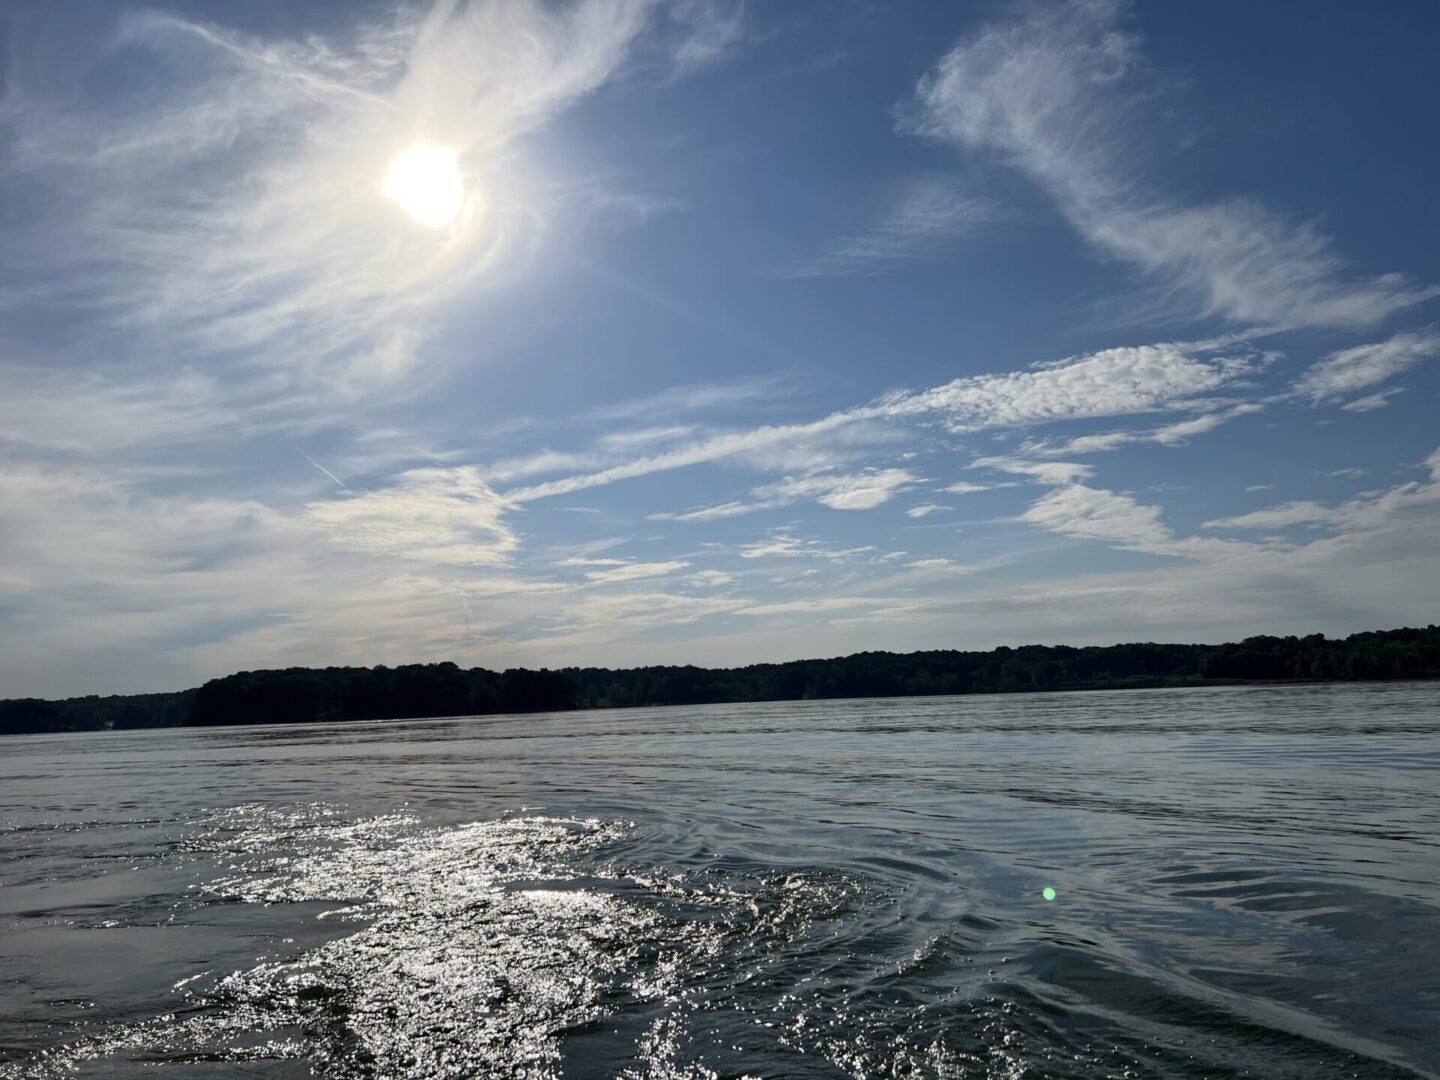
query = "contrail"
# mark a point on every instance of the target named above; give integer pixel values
(323, 469)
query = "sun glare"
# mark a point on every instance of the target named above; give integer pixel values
(425, 181)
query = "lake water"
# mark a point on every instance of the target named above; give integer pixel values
(1246, 882)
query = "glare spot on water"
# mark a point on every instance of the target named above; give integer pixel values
(1048, 893)
(478, 950)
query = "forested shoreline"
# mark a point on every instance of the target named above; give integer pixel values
(299, 695)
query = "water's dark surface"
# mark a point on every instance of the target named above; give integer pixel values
(1247, 883)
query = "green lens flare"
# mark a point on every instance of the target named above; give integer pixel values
(1048, 893)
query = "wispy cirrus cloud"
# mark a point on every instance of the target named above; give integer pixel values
(438, 516)
(718, 512)
(1175, 434)
(1284, 516)
(1371, 402)
(1041, 472)
(711, 579)
(1349, 371)
(696, 403)
(1088, 513)
(863, 490)
(635, 571)
(786, 543)
(1097, 514)
(710, 30)
(969, 487)
(1062, 93)
(1110, 382)
(928, 215)
(1369, 510)
(236, 198)
(850, 491)
(1076, 509)
(745, 391)
(767, 438)
(45, 410)
(925, 510)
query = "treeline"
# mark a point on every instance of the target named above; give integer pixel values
(94, 713)
(297, 695)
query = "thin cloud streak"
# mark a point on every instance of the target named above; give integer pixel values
(1112, 382)
(930, 214)
(1060, 94)
(1358, 368)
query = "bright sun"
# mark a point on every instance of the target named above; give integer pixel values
(425, 181)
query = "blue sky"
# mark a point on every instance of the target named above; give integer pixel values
(751, 332)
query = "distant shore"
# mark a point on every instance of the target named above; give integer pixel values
(301, 695)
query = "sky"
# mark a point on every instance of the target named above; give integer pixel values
(620, 332)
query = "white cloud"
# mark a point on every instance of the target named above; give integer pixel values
(1077, 510)
(106, 549)
(1096, 514)
(609, 448)
(1303, 512)
(602, 618)
(542, 462)
(1349, 370)
(924, 510)
(1176, 434)
(866, 430)
(88, 412)
(697, 397)
(86, 553)
(1112, 382)
(966, 487)
(1371, 402)
(808, 605)
(784, 544)
(445, 516)
(712, 30)
(710, 579)
(1082, 444)
(1378, 574)
(710, 513)
(635, 571)
(1368, 510)
(1088, 513)
(853, 491)
(839, 491)
(712, 448)
(1060, 94)
(628, 440)
(1044, 472)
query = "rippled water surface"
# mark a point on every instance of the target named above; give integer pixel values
(1246, 882)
